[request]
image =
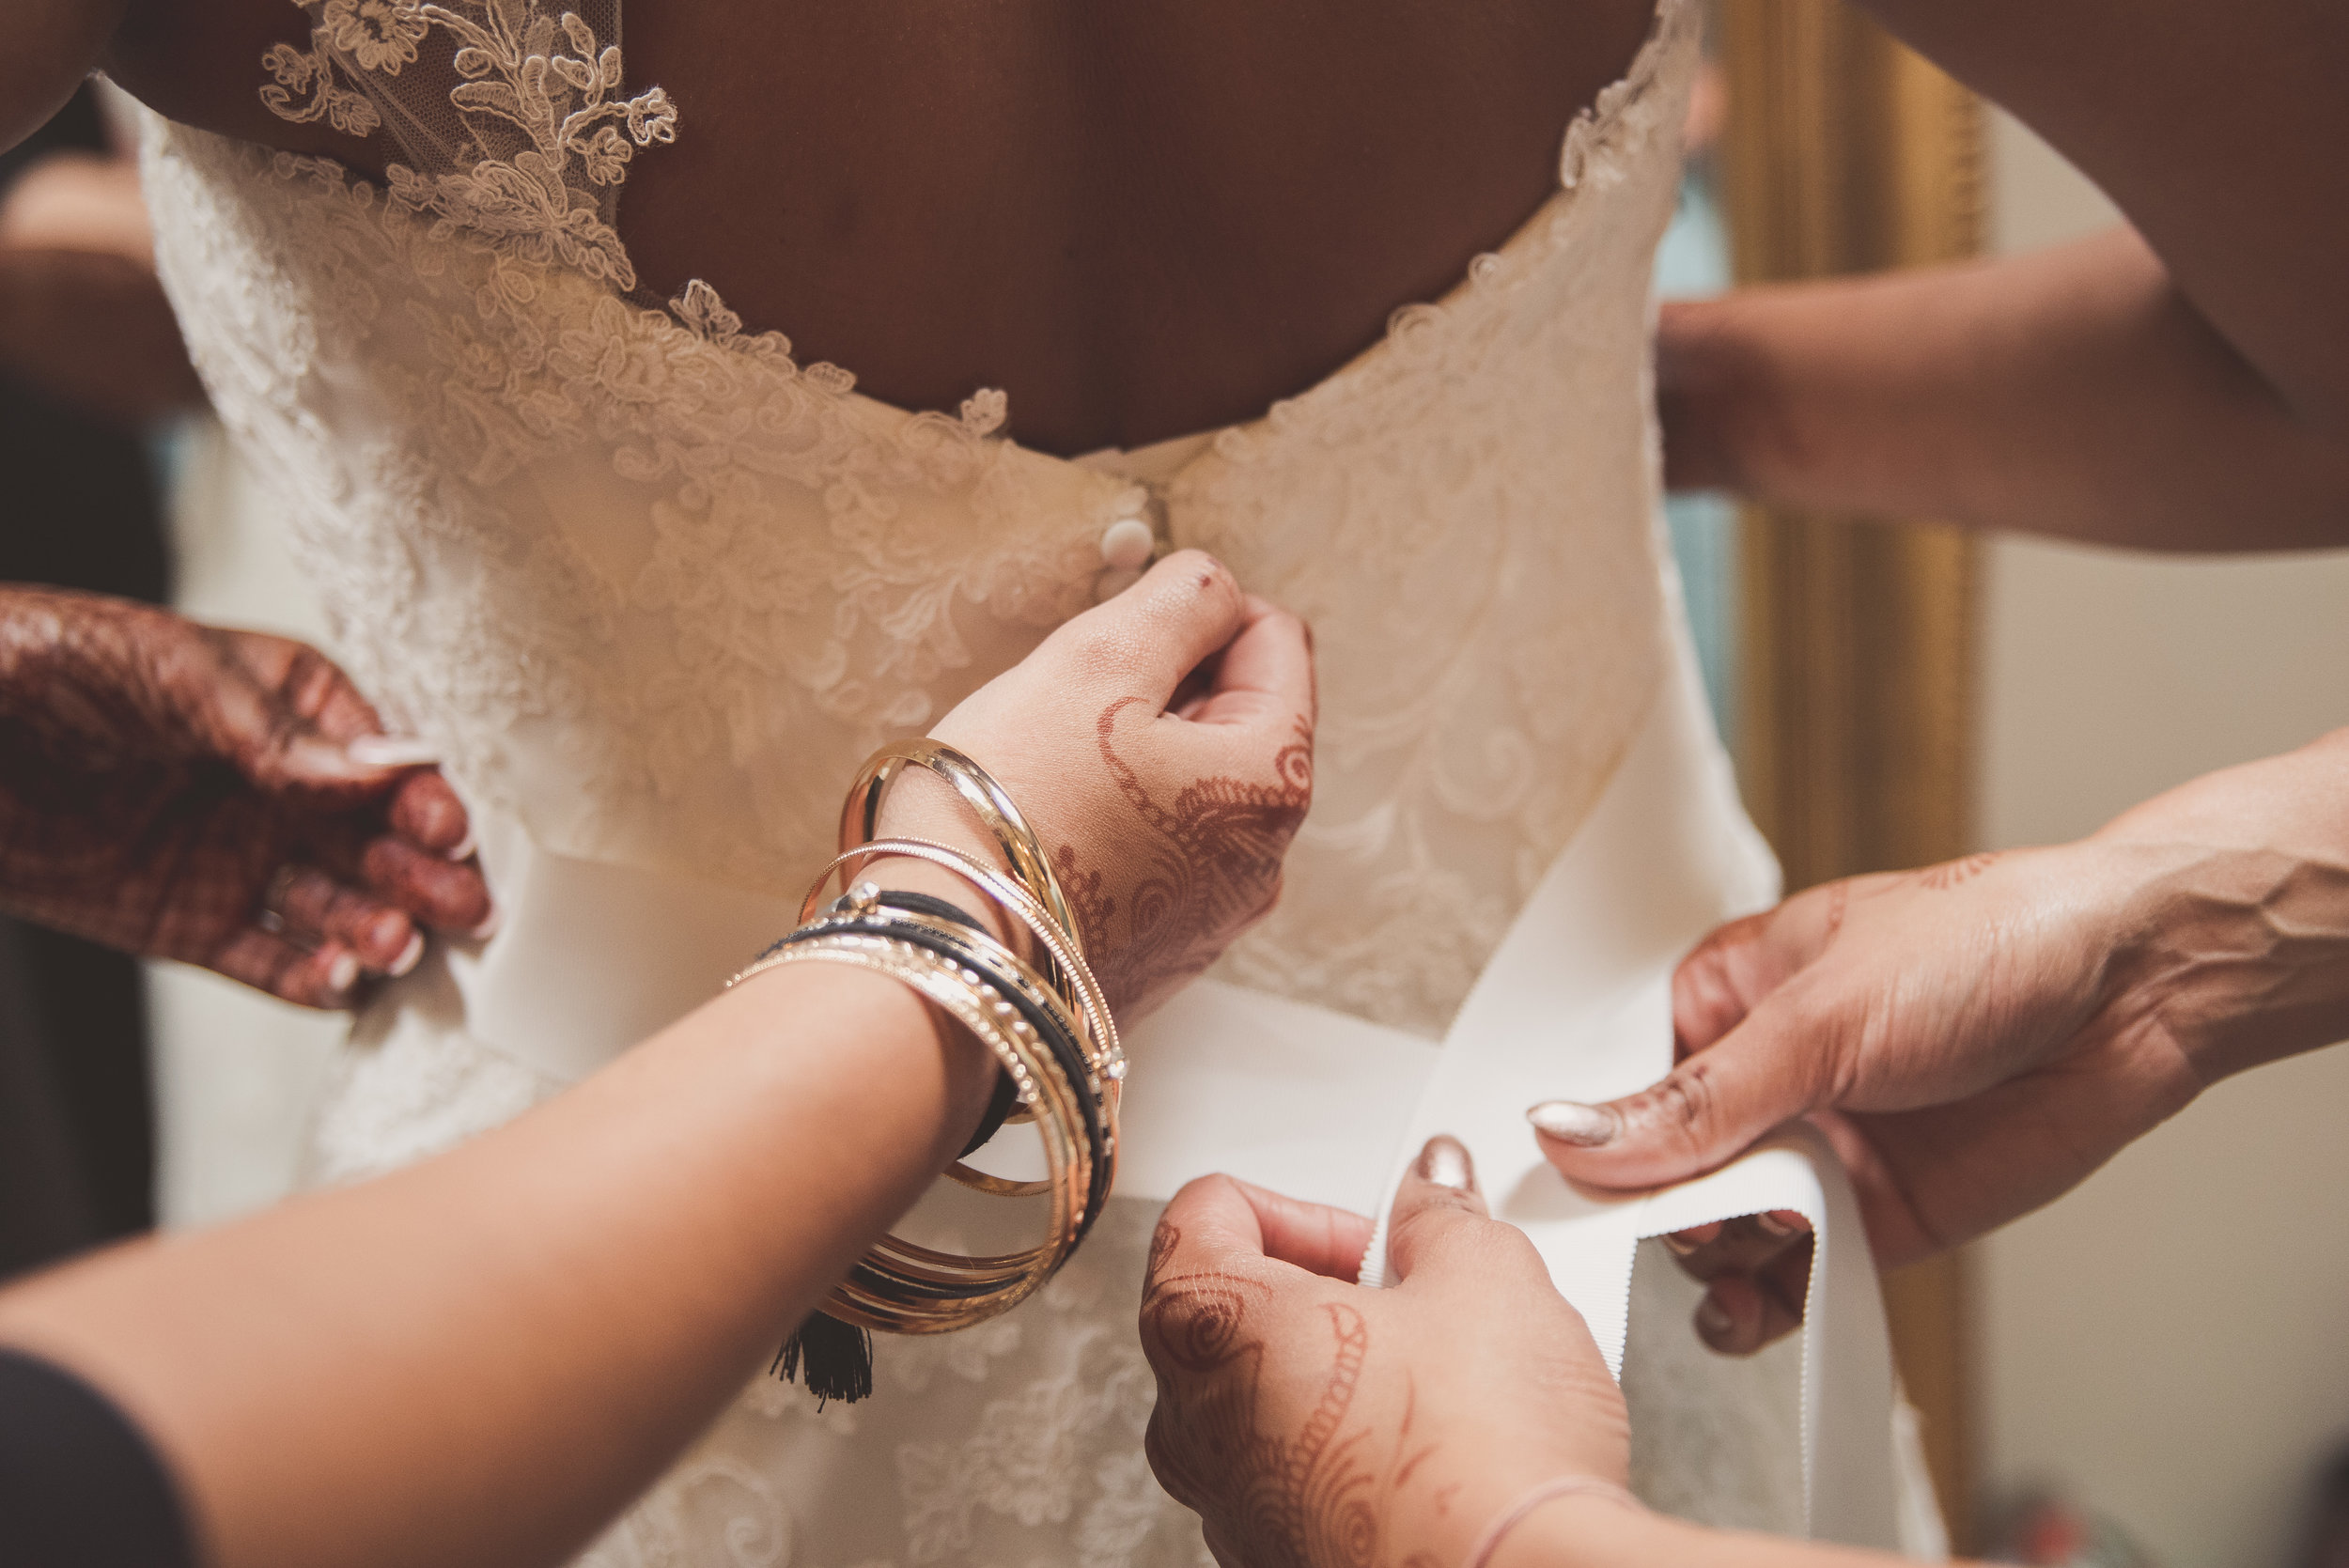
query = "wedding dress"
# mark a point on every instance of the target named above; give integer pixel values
(653, 589)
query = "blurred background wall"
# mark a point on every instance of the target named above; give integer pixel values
(2170, 1342)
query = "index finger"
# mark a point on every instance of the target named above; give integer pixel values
(1219, 1220)
(289, 729)
(1269, 662)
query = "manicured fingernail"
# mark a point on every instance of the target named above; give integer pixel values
(1684, 1243)
(1778, 1226)
(488, 926)
(1714, 1324)
(343, 972)
(1445, 1162)
(410, 956)
(391, 751)
(465, 847)
(324, 759)
(1585, 1126)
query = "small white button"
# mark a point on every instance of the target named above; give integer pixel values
(1114, 582)
(1127, 545)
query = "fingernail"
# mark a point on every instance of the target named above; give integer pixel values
(488, 926)
(343, 972)
(410, 956)
(1778, 1227)
(1684, 1243)
(324, 759)
(1714, 1324)
(465, 847)
(1585, 1126)
(391, 751)
(1445, 1162)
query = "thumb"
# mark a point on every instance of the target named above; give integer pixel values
(1775, 1065)
(304, 728)
(1152, 636)
(1436, 1204)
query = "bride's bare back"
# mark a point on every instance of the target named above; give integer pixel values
(1139, 220)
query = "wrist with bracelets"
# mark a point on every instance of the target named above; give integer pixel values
(1040, 1014)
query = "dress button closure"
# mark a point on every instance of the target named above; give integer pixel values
(1128, 544)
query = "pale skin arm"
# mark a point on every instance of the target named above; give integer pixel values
(2196, 402)
(480, 1359)
(477, 1359)
(1976, 1038)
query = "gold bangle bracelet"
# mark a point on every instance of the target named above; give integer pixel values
(899, 1286)
(1106, 1055)
(1046, 1022)
(976, 948)
(860, 813)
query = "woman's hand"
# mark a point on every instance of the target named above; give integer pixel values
(1161, 746)
(1977, 1038)
(186, 792)
(1311, 1421)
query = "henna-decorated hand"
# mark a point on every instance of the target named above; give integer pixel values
(191, 793)
(1162, 745)
(1315, 1423)
(1977, 1038)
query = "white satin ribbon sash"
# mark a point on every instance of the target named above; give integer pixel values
(1575, 1005)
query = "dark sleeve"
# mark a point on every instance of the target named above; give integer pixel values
(79, 1486)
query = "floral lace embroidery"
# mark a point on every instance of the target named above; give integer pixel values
(876, 569)
(558, 116)
(878, 563)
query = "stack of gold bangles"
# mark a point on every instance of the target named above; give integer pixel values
(1040, 1013)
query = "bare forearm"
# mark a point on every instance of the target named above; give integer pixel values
(2074, 393)
(2217, 129)
(471, 1361)
(2243, 945)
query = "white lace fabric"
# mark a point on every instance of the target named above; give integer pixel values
(654, 588)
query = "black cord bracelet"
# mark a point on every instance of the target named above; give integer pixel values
(1004, 1098)
(845, 915)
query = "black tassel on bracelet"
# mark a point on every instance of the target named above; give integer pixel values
(839, 1359)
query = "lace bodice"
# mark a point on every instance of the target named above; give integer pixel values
(654, 587)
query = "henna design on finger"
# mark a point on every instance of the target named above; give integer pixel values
(1210, 866)
(1312, 1498)
(1838, 905)
(131, 812)
(1949, 874)
(1163, 1240)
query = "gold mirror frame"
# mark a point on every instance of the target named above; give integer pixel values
(1845, 153)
